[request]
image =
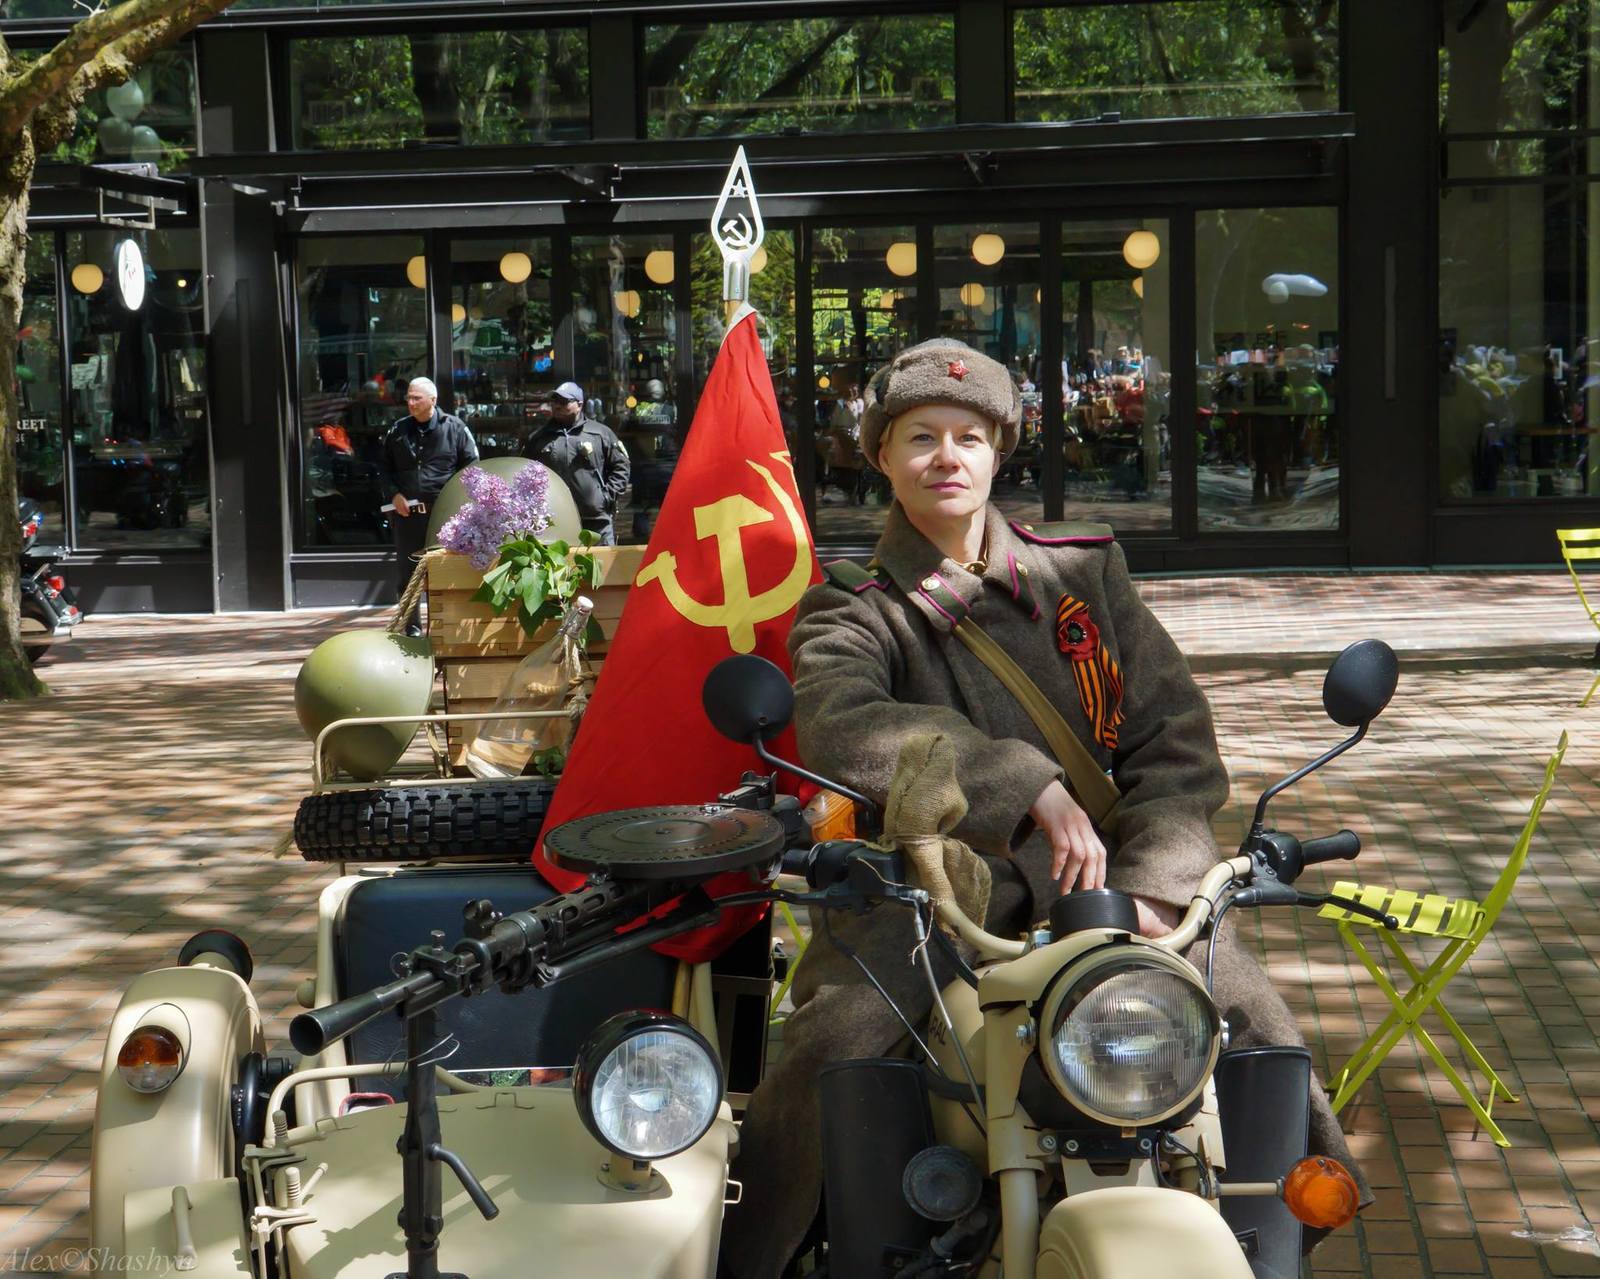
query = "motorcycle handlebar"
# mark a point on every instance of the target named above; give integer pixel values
(1331, 848)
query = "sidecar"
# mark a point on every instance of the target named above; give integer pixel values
(212, 1148)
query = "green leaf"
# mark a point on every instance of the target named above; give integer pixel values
(593, 633)
(588, 536)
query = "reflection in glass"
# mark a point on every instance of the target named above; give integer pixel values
(1515, 66)
(1116, 387)
(140, 443)
(1191, 58)
(772, 294)
(830, 74)
(990, 296)
(624, 344)
(150, 117)
(458, 87)
(1519, 329)
(863, 310)
(1267, 320)
(363, 337)
(502, 340)
(41, 460)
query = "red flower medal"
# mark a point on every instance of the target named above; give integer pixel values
(1098, 678)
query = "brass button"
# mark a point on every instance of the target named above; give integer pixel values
(930, 583)
(1023, 569)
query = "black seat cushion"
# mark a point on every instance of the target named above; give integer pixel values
(391, 915)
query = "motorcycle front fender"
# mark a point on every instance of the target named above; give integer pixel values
(1138, 1230)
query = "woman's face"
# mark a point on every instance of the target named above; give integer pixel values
(940, 459)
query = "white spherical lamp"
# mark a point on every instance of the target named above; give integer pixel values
(988, 249)
(87, 277)
(973, 294)
(1141, 249)
(901, 258)
(515, 268)
(660, 266)
(417, 272)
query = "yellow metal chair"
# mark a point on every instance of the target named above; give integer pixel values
(1582, 544)
(1461, 924)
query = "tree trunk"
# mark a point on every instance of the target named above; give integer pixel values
(17, 679)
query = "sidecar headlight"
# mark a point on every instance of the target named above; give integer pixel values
(1130, 1042)
(150, 1059)
(647, 1084)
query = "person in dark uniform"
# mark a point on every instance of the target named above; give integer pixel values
(420, 452)
(586, 454)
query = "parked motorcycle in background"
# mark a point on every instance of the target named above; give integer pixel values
(49, 608)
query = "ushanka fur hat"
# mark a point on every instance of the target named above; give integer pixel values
(941, 371)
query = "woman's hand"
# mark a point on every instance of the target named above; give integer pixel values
(1156, 919)
(1077, 857)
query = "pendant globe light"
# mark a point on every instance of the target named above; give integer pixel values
(1141, 249)
(515, 267)
(87, 277)
(988, 249)
(417, 272)
(973, 294)
(660, 266)
(901, 258)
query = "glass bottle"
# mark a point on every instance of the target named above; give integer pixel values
(548, 679)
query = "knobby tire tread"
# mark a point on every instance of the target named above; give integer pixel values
(492, 819)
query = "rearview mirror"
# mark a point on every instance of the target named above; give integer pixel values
(1360, 683)
(748, 699)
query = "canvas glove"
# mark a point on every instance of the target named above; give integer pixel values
(925, 803)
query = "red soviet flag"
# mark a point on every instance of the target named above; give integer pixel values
(726, 566)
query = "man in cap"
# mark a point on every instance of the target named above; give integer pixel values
(586, 454)
(420, 452)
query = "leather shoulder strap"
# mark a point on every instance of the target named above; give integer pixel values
(1094, 790)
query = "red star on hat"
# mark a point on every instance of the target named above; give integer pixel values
(958, 369)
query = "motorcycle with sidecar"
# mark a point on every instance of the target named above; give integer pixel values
(537, 1092)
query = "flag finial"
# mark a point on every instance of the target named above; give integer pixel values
(737, 228)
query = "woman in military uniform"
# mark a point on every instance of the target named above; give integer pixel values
(876, 661)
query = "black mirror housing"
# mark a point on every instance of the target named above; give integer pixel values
(1360, 683)
(748, 699)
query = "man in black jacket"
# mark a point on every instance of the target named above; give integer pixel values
(586, 454)
(420, 452)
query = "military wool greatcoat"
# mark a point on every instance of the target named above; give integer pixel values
(876, 662)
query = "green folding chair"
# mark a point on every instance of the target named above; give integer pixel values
(1461, 924)
(1582, 544)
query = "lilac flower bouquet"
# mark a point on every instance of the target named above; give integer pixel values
(502, 522)
(500, 511)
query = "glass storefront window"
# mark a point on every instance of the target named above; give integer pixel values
(140, 444)
(363, 335)
(1190, 58)
(467, 88)
(1519, 330)
(772, 294)
(151, 117)
(1522, 64)
(1116, 380)
(718, 79)
(991, 297)
(863, 310)
(625, 341)
(1267, 324)
(502, 339)
(41, 461)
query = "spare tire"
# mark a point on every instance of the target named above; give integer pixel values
(477, 820)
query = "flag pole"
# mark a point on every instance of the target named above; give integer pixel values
(738, 231)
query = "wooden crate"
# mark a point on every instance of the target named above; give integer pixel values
(476, 651)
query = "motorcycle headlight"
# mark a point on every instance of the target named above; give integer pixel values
(647, 1084)
(1130, 1042)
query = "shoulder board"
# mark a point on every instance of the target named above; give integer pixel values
(1065, 533)
(847, 575)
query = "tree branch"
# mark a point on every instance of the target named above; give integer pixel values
(139, 26)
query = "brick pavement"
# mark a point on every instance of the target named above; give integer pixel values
(172, 762)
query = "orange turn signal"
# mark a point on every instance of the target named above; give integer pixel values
(831, 816)
(150, 1059)
(1320, 1192)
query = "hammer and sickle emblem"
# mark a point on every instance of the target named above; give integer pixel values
(740, 612)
